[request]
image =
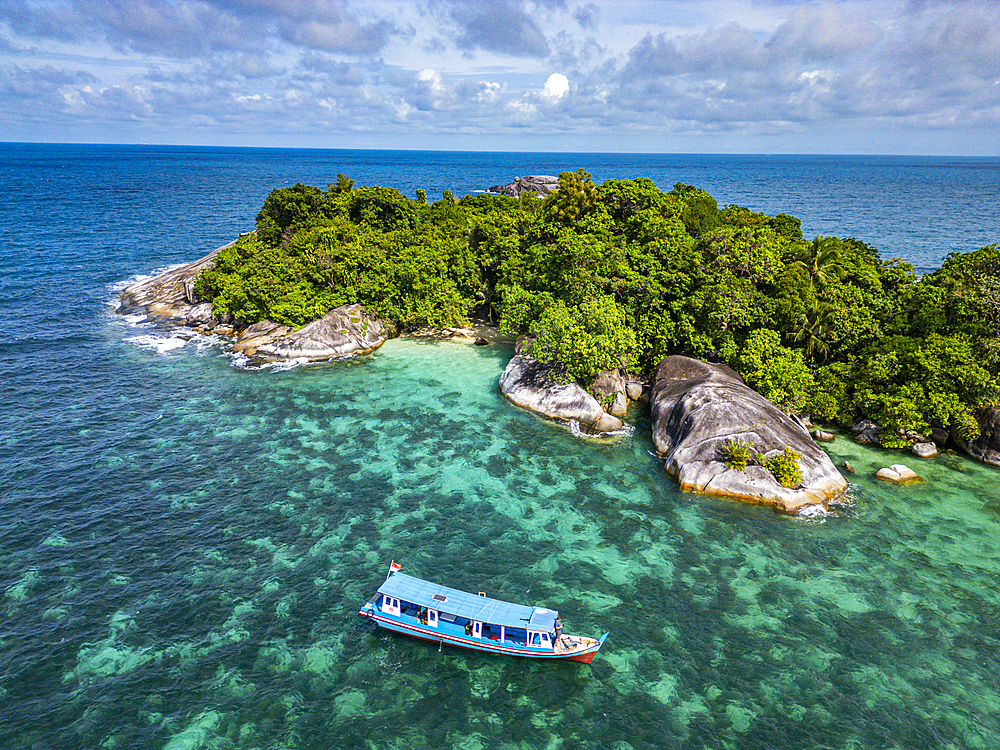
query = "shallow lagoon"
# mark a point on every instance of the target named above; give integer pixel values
(211, 599)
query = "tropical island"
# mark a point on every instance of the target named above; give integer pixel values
(620, 292)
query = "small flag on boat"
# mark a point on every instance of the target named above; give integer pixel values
(394, 566)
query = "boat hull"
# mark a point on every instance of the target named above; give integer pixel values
(415, 630)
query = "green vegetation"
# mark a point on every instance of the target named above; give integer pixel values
(785, 468)
(737, 454)
(619, 275)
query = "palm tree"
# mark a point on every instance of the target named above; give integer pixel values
(821, 261)
(815, 325)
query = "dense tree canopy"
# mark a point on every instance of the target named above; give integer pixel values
(621, 274)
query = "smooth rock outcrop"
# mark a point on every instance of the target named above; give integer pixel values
(924, 450)
(344, 331)
(528, 383)
(698, 407)
(540, 184)
(986, 447)
(898, 474)
(170, 296)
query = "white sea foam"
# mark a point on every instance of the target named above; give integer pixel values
(574, 427)
(159, 344)
(119, 286)
(814, 511)
(243, 362)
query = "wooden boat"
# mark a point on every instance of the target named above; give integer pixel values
(427, 610)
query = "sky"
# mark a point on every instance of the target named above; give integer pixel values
(666, 76)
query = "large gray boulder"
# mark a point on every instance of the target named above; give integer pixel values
(697, 408)
(986, 447)
(540, 184)
(344, 331)
(529, 384)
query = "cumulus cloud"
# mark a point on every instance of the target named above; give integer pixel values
(731, 48)
(187, 28)
(40, 84)
(823, 64)
(826, 33)
(483, 92)
(556, 86)
(337, 34)
(587, 15)
(498, 26)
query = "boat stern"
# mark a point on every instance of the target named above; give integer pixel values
(368, 609)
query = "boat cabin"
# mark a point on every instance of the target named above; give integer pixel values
(438, 609)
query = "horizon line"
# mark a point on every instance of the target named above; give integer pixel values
(142, 144)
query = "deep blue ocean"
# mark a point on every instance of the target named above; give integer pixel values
(185, 543)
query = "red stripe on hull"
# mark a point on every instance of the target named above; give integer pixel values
(584, 657)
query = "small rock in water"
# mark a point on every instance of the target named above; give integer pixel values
(619, 407)
(633, 390)
(898, 473)
(847, 465)
(481, 341)
(925, 450)
(823, 436)
(608, 423)
(866, 432)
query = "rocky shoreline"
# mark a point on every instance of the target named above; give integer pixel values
(170, 299)
(697, 408)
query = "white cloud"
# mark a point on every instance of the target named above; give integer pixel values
(489, 91)
(522, 107)
(431, 77)
(556, 86)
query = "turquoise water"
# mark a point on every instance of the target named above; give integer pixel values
(186, 543)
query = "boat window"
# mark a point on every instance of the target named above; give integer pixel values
(516, 635)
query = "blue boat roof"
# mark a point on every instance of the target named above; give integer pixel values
(472, 606)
